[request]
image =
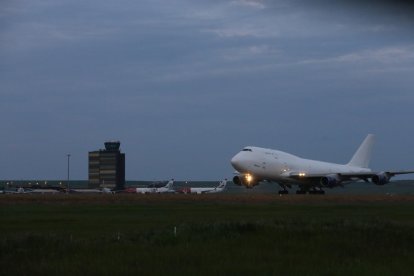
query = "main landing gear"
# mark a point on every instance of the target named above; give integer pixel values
(313, 191)
(283, 192)
(317, 192)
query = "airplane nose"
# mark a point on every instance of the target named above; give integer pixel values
(237, 162)
(234, 161)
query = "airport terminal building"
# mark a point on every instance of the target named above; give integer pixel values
(107, 167)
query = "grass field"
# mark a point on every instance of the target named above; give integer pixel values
(206, 235)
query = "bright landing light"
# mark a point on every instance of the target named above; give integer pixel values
(302, 174)
(249, 178)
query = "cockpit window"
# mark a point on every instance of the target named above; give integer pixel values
(247, 150)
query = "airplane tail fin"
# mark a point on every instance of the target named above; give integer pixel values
(222, 184)
(170, 184)
(362, 156)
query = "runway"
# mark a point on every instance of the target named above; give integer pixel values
(358, 188)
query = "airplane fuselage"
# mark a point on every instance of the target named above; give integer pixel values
(157, 190)
(205, 190)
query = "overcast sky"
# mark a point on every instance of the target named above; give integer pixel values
(184, 85)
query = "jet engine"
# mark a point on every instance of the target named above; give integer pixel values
(246, 180)
(381, 178)
(330, 181)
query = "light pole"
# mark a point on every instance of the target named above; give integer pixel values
(68, 172)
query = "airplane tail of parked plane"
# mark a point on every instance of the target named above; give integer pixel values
(169, 184)
(362, 156)
(222, 184)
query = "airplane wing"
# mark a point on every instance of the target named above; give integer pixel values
(376, 177)
(364, 176)
(399, 172)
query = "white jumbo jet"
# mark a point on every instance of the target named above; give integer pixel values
(254, 164)
(157, 190)
(207, 190)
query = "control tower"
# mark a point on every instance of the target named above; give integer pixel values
(107, 167)
(112, 145)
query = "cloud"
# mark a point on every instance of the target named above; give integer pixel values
(140, 68)
(250, 52)
(233, 32)
(386, 55)
(258, 4)
(32, 35)
(265, 59)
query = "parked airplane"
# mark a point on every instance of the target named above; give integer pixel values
(128, 191)
(44, 191)
(157, 190)
(205, 190)
(255, 164)
(87, 191)
(19, 190)
(108, 191)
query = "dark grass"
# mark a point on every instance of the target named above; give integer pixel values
(215, 236)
